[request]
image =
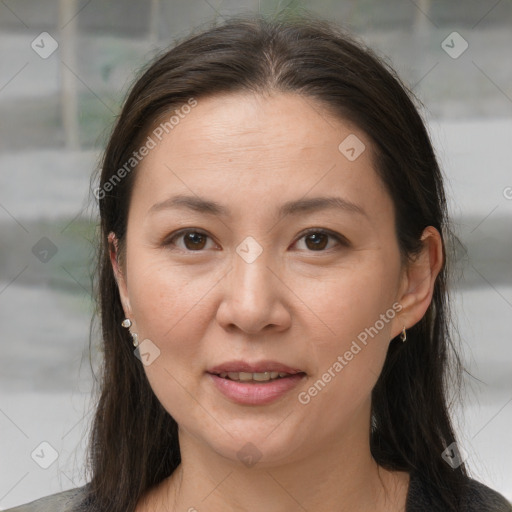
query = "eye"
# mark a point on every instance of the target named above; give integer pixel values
(193, 240)
(317, 239)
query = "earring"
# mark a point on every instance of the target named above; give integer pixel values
(127, 323)
(403, 335)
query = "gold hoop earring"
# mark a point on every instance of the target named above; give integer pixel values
(403, 335)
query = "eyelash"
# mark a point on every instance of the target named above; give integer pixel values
(342, 241)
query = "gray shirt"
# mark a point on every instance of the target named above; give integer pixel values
(420, 498)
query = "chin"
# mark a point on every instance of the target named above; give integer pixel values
(260, 449)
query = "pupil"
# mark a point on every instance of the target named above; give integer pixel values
(193, 238)
(316, 238)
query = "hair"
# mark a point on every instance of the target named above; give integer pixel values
(134, 440)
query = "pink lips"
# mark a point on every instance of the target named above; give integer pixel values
(255, 393)
(259, 367)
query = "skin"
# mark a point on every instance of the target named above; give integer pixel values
(296, 304)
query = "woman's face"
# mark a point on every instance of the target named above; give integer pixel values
(246, 283)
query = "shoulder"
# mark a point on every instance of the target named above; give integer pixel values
(65, 501)
(481, 498)
(477, 498)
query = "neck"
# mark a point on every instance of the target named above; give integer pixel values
(342, 477)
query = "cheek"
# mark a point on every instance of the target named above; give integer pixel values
(168, 310)
(164, 296)
(353, 314)
(352, 300)
(171, 307)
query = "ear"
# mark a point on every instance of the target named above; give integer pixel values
(418, 281)
(113, 244)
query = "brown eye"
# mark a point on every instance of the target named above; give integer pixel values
(192, 240)
(316, 240)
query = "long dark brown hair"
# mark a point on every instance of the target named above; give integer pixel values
(134, 441)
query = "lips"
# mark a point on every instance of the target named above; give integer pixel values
(253, 377)
(259, 383)
(253, 392)
(258, 367)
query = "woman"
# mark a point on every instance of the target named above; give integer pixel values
(273, 230)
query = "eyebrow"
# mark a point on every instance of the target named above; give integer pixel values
(209, 207)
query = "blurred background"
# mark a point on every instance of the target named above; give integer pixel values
(65, 67)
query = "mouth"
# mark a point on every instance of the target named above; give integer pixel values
(255, 377)
(255, 383)
(262, 371)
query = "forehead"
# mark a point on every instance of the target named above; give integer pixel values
(255, 149)
(249, 123)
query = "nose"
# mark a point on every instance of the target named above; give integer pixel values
(253, 297)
